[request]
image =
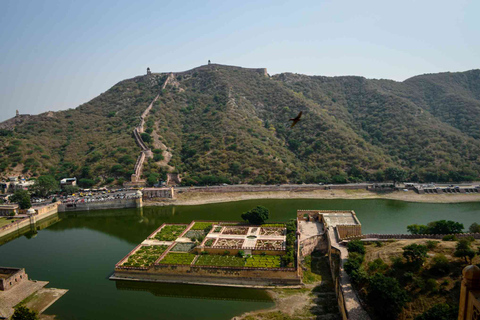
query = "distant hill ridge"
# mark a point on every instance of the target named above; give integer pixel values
(217, 123)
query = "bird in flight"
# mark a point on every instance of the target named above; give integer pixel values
(295, 120)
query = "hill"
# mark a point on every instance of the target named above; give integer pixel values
(219, 123)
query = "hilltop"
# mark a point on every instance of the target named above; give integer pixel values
(218, 123)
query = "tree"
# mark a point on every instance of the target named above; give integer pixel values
(86, 183)
(22, 197)
(474, 228)
(395, 174)
(356, 246)
(444, 227)
(417, 229)
(44, 185)
(257, 215)
(439, 311)
(463, 250)
(386, 296)
(436, 227)
(415, 253)
(152, 179)
(24, 313)
(70, 189)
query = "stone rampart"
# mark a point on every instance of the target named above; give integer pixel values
(374, 236)
(348, 301)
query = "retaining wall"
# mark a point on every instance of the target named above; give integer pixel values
(311, 244)
(214, 275)
(100, 205)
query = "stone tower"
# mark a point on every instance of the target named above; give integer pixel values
(148, 72)
(17, 114)
(209, 62)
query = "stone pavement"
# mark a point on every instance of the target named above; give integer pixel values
(12, 297)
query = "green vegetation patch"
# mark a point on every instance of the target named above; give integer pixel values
(183, 247)
(273, 225)
(220, 261)
(178, 258)
(145, 256)
(258, 261)
(194, 234)
(202, 225)
(170, 232)
(209, 242)
(5, 221)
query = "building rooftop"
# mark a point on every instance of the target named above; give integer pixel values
(334, 219)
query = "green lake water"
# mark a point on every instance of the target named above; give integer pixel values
(80, 250)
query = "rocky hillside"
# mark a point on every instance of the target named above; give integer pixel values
(228, 124)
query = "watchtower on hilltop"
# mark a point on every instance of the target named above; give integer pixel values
(148, 72)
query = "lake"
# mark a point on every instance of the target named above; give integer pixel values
(80, 250)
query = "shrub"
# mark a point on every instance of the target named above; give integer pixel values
(431, 285)
(415, 253)
(449, 237)
(431, 244)
(377, 265)
(24, 313)
(463, 250)
(440, 311)
(440, 265)
(146, 137)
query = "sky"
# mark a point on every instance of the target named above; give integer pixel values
(56, 55)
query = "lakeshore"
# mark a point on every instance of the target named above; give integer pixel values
(198, 198)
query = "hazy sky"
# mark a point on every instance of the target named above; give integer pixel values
(58, 54)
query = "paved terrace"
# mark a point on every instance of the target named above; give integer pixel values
(250, 238)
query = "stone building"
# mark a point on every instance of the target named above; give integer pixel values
(10, 277)
(469, 308)
(155, 193)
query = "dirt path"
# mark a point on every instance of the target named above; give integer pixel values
(198, 198)
(317, 300)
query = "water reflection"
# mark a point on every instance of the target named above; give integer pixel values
(195, 291)
(30, 231)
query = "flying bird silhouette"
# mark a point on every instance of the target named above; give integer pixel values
(295, 120)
